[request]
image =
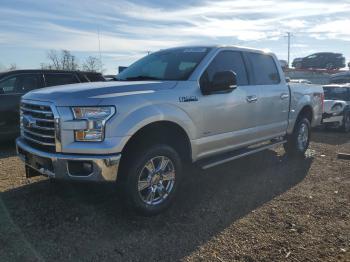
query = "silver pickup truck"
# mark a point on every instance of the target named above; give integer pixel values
(205, 105)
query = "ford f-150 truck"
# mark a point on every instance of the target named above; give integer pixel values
(206, 105)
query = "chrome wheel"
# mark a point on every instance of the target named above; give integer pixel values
(156, 180)
(303, 136)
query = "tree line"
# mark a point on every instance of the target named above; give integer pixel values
(65, 60)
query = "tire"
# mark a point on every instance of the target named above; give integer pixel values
(298, 142)
(151, 179)
(346, 123)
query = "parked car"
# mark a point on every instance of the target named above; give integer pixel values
(203, 105)
(321, 61)
(337, 107)
(340, 78)
(14, 84)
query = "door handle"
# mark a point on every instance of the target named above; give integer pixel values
(252, 99)
(284, 96)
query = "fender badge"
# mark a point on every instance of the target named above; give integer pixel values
(183, 99)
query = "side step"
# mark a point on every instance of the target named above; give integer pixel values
(227, 157)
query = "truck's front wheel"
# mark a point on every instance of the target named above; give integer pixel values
(152, 179)
(298, 142)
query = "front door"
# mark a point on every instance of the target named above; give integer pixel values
(229, 118)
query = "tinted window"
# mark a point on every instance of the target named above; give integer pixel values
(19, 84)
(340, 80)
(227, 61)
(264, 69)
(60, 79)
(336, 93)
(173, 64)
(94, 77)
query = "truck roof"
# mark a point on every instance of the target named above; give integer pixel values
(241, 48)
(44, 71)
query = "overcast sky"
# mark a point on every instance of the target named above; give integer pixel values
(128, 29)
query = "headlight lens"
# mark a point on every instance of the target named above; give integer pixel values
(96, 118)
(337, 107)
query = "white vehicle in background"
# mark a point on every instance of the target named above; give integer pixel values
(337, 107)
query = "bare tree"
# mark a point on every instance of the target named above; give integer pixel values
(92, 64)
(12, 66)
(61, 61)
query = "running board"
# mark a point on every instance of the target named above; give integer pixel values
(227, 157)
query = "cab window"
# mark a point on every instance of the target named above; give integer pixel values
(53, 79)
(264, 69)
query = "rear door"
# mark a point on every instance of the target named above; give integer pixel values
(11, 90)
(56, 79)
(272, 117)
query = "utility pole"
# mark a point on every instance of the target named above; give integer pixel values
(289, 36)
(99, 47)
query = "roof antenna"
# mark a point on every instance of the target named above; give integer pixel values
(99, 46)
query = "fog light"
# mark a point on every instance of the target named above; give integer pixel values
(80, 168)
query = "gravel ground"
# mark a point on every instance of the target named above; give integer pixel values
(261, 208)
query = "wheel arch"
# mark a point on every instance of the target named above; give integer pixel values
(162, 132)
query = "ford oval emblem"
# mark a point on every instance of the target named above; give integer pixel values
(28, 121)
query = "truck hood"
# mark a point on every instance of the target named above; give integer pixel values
(92, 93)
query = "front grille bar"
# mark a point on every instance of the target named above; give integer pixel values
(36, 111)
(37, 141)
(37, 134)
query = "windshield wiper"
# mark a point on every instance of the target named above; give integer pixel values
(140, 78)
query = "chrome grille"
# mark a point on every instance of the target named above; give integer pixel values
(38, 126)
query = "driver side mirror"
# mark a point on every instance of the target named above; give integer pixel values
(222, 81)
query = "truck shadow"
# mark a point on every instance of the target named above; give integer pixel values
(87, 221)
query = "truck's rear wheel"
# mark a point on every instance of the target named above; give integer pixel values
(152, 179)
(298, 142)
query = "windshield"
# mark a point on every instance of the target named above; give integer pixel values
(174, 64)
(336, 93)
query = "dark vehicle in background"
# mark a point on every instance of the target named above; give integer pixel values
(337, 107)
(14, 84)
(340, 78)
(324, 60)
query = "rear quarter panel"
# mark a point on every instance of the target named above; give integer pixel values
(305, 95)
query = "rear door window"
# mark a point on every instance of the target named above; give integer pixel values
(93, 77)
(264, 69)
(20, 84)
(55, 79)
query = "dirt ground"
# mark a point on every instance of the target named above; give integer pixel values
(262, 208)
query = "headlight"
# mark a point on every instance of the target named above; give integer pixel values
(96, 118)
(337, 107)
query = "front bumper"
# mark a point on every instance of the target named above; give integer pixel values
(332, 118)
(61, 166)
